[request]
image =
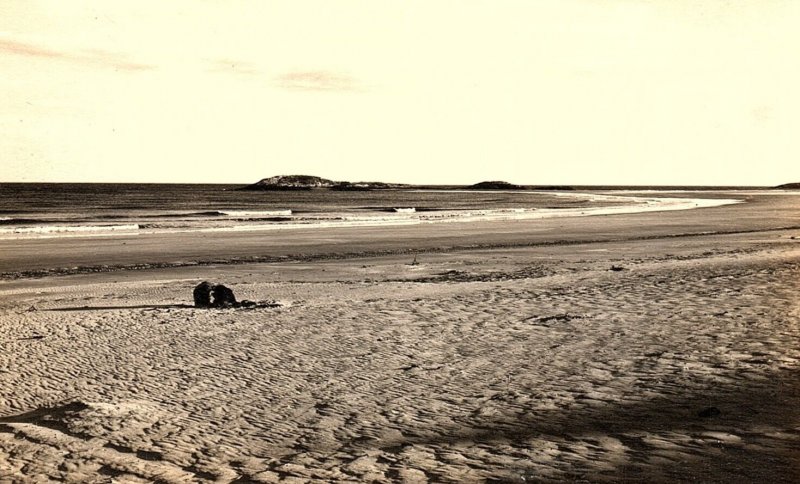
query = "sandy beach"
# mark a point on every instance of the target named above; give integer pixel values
(639, 347)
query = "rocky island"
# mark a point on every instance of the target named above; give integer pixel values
(308, 182)
(291, 182)
(494, 185)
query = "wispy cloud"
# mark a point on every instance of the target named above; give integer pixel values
(316, 81)
(99, 58)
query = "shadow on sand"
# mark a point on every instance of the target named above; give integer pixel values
(49, 417)
(140, 306)
(764, 413)
(243, 305)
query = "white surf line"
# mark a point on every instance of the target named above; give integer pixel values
(665, 203)
(652, 204)
(63, 235)
(640, 205)
(62, 231)
(256, 213)
(770, 191)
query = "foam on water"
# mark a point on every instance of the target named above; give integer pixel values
(58, 229)
(260, 213)
(454, 216)
(248, 220)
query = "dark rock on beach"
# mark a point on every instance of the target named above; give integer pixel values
(223, 297)
(208, 295)
(202, 295)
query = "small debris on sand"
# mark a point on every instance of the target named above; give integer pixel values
(34, 337)
(542, 320)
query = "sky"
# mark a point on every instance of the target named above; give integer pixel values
(647, 92)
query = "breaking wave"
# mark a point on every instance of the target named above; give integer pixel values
(59, 229)
(266, 220)
(256, 213)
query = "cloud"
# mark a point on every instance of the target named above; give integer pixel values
(316, 81)
(98, 58)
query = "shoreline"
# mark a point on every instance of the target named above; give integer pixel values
(144, 266)
(23, 258)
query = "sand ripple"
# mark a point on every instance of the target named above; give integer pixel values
(545, 375)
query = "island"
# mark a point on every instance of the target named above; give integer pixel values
(494, 185)
(308, 182)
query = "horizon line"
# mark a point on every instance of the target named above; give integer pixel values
(410, 185)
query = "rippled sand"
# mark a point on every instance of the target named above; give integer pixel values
(504, 364)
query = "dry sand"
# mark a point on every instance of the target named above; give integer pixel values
(508, 353)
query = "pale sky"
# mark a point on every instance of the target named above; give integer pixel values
(449, 92)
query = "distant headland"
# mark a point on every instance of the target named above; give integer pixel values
(789, 186)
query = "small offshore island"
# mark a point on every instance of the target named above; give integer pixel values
(309, 182)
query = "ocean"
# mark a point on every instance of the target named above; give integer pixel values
(59, 210)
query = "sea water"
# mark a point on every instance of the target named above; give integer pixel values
(62, 210)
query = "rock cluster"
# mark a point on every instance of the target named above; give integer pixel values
(222, 296)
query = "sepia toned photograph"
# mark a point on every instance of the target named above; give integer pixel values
(372, 241)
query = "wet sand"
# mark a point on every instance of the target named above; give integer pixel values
(482, 352)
